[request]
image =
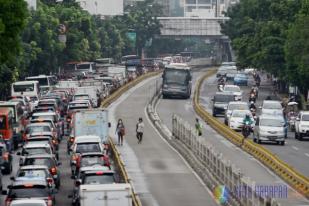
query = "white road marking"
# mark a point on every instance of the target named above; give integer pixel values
(296, 148)
(307, 154)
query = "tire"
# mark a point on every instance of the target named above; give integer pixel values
(296, 135)
(282, 143)
(300, 137)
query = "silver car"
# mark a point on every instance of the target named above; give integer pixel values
(269, 128)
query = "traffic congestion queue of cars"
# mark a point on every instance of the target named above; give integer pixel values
(34, 123)
(269, 126)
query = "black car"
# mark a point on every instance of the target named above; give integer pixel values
(35, 188)
(5, 159)
(220, 102)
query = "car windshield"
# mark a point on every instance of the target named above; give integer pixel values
(271, 123)
(44, 117)
(305, 118)
(34, 151)
(224, 98)
(32, 173)
(272, 106)
(88, 147)
(32, 129)
(39, 161)
(92, 160)
(238, 114)
(238, 107)
(26, 192)
(99, 179)
(232, 89)
(27, 204)
(81, 97)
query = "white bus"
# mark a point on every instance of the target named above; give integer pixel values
(25, 88)
(46, 83)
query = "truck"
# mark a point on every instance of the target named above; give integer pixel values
(92, 92)
(106, 195)
(92, 122)
(99, 84)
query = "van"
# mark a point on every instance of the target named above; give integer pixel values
(19, 120)
(6, 126)
(221, 101)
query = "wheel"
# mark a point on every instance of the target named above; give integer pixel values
(225, 122)
(282, 143)
(300, 137)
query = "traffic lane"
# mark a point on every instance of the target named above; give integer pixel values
(169, 180)
(293, 151)
(248, 165)
(66, 181)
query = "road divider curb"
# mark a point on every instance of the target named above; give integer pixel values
(293, 177)
(119, 162)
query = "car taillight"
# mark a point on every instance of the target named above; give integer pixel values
(8, 201)
(49, 201)
(53, 170)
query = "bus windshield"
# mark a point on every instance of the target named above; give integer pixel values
(2, 122)
(23, 88)
(176, 76)
(83, 66)
(43, 81)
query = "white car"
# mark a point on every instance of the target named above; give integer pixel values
(34, 149)
(237, 117)
(302, 125)
(270, 128)
(235, 90)
(235, 105)
(271, 107)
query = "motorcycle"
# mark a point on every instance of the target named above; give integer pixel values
(246, 130)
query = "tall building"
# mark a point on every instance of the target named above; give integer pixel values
(102, 7)
(200, 8)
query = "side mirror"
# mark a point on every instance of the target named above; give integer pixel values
(109, 124)
(12, 178)
(18, 153)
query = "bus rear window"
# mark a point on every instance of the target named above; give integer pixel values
(24, 88)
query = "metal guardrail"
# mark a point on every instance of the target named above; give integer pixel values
(106, 102)
(241, 188)
(294, 178)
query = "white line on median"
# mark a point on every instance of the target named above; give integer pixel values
(296, 148)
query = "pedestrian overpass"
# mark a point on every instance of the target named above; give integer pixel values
(208, 29)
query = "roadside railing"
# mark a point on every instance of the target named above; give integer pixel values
(241, 188)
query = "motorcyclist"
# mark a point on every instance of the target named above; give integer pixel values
(247, 120)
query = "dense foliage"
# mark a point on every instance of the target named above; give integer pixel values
(30, 42)
(272, 35)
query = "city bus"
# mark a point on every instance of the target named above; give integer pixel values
(26, 88)
(46, 83)
(177, 79)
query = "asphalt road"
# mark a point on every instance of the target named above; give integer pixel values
(249, 166)
(159, 174)
(295, 152)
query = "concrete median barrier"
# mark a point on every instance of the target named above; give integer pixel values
(294, 178)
